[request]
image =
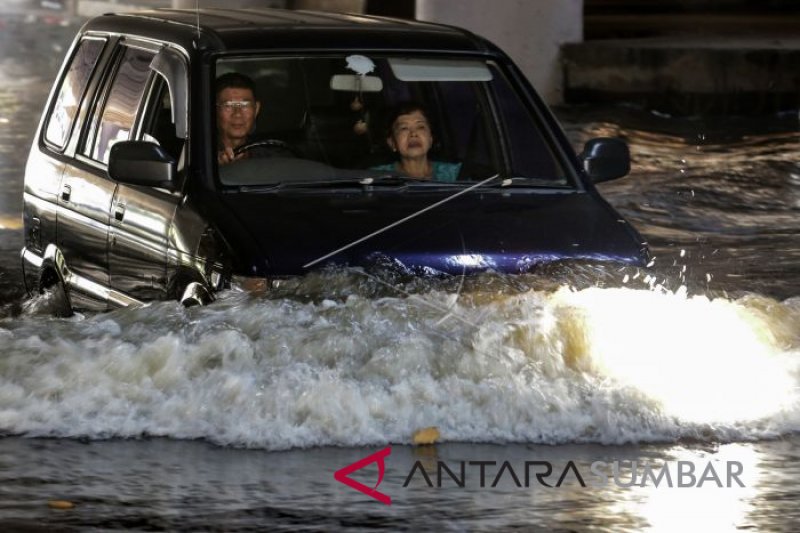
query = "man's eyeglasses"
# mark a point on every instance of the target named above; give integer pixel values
(229, 106)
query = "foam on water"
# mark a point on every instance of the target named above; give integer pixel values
(592, 365)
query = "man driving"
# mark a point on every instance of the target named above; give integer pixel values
(237, 110)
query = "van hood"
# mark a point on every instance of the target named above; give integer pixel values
(505, 231)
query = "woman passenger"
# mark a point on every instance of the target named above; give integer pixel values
(410, 137)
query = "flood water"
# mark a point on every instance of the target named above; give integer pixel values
(236, 416)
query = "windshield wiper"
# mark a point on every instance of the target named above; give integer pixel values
(524, 181)
(400, 179)
(384, 180)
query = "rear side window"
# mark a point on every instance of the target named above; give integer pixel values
(65, 107)
(119, 112)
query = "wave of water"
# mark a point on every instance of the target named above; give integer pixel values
(560, 365)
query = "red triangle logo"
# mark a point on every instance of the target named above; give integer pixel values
(377, 457)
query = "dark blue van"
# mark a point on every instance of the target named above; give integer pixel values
(181, 152)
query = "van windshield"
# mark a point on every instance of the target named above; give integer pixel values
(358, 116)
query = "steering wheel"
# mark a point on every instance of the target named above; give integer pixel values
(266, 144)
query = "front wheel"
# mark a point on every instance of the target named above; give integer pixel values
(55, 296)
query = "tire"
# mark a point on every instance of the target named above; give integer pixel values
(59, 301)
(56, 297)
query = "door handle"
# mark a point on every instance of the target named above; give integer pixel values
(66, 192)
(119, 211)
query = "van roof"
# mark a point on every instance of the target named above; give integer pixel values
(265, 28)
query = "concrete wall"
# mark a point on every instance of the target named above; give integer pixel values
(530, 31)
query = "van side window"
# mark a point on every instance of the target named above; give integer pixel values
(122, 103)
(65, 107)
(158, 126)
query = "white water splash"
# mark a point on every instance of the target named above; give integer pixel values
(609, 366)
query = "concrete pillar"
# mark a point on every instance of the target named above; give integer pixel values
(530, 31)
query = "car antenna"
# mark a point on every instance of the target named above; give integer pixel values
(401, 221)
(197, 11)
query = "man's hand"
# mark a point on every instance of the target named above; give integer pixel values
(226, 156)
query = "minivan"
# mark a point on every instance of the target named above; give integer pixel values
(131, 195)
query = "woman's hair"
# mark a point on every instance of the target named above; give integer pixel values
(404, 108)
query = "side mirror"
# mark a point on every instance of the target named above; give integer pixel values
(142, 163)
(606, 159)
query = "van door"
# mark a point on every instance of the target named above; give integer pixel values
(87, 192)
(141, 216)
